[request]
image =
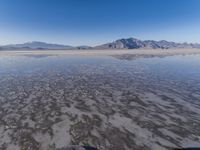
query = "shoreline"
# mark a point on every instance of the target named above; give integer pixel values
(135, 52)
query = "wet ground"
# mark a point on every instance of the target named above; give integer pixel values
(111, 103)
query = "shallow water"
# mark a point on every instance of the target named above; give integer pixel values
(49, 102)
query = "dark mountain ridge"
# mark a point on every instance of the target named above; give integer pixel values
(133, 43)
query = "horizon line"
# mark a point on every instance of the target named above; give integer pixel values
(65, 44)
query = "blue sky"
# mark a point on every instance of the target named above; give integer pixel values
(93, 22)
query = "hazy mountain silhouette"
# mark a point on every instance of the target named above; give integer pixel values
(36, 45)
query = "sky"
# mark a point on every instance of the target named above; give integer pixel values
(94, 22)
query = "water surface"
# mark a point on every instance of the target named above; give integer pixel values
(49, 102)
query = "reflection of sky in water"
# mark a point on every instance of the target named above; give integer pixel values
(146, 96)
(171, 67)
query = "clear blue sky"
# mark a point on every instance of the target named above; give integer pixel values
(92, 22)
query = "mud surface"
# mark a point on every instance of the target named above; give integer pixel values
(47, 103)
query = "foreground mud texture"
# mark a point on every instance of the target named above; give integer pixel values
(110, 106)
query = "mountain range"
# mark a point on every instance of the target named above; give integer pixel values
(133, 43)
(34, 45)
(129, 43)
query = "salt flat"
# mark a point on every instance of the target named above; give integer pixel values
(49, 101)
(103, 52)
